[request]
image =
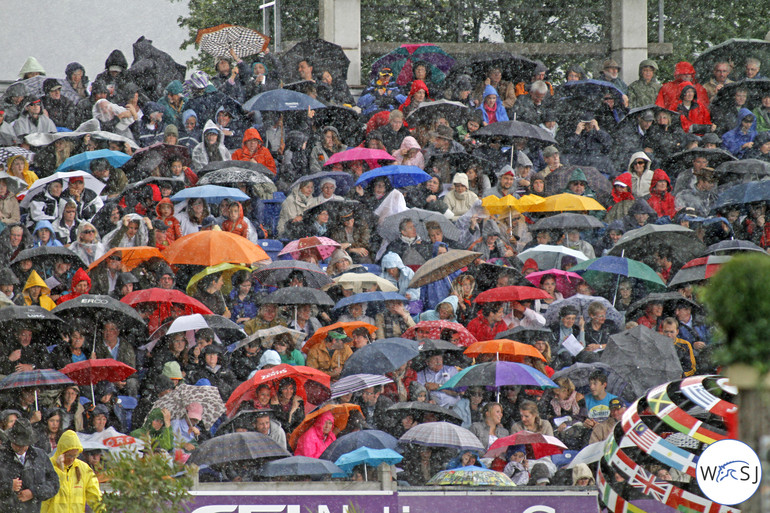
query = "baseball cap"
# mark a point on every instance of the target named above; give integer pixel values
(615, 404)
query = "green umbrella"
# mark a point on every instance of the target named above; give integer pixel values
(226, 268)
(605, 272)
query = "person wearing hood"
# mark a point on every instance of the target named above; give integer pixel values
(741, 138)
(87, 244)
(694, 116)
(507, 178)
(446, 310)
(507, 90)
(173, 103)
(492, 108)
(645, 90)
(325, 148)
(43, 235)
(212, 149)
(31, 68)
(661, 198)
(641, 175)
(66, 225)
(157, 426)
(18, 166)
(235, 222)
(294, 207)
(461, 90)
(315, 440)
(114, 75)
(639, 214)
(582, 476)
(394, 270)
(32, 120)
(459, 200)
(78, 484)
(668, 95)
(418, 93)
(9, 205)
(410, 153)
(189, 131)
(12, 101)
(81, 284)
(75, 75)
(217, 373)
(621, 196)
(114, 118)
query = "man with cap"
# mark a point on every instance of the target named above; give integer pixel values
(442, 142)
(87, 202)
(27, 477)
(609, 73)
(603, 429)
(59, 108)
(263, 423)
(588, 139)
(253, 150)
(506, 183)
(173, 103)
(668, 96)
(330, 355)
(382, 94)
(552, 160)
(32, 120)
(218, 373)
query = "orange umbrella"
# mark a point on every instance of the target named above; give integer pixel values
(341, 414)
(506, 350)
(129, 257)
(212, 247)
(349, 328)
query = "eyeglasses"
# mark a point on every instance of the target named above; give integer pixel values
(92, 231)
(640, 163)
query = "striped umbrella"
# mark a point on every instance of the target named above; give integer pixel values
(356, 383)
(402, 59)
(698, 269)
(37, 378)
(442, 434)
(237, 447)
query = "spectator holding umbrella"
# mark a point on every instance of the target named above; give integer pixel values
(157, 428)
(330, 355)
(288, 407)
(488, 322)
(315, 440)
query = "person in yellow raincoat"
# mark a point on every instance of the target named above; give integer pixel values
(36, 293)
(78, 484)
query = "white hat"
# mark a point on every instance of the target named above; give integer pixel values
(460, 178)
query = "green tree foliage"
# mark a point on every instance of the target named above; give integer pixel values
(738, 300)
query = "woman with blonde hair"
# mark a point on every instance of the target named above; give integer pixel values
(531, 421)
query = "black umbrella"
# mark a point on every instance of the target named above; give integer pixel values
(488, 275)
(579, 374)
(300, 466)
(241, 446)
(98, 309)
(44, 257)
(234, 175)
(515, 130)
(526, 335)
(371, 438)
(745, 170)
(153, 69)
(514, 68)
(728, 247)
(643, 243)
(568, 221)
(298, 296)
(682, 160)
(439, 346)
(454, 112)
(235, 166)
(31, 317)
(282, 100)
(323, 54)
(756, 89)
(734, 51)
(630, 118)
(381, 357)
(669, 300)
(276, 273)
(419, 410)
(345, 119)
(557, 181)
(145, 160)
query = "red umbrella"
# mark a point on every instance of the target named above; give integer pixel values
(169, 303)
(310, 383)
(91, 372)
(699, 269)
(433, 329)
(511, 293)
(538, 445)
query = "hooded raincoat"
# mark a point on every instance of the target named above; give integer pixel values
(78, 484)
(641, 93)
(261, 156)
(163, 436)
(295, 205)
(662, 203)
(733, 140)
(44, 300)
(392, 260)
(313, 442)
(640, 184)
(201, 155)
(489, 115)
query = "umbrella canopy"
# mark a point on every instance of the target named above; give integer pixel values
(276, 273)
(11, 151)
(699, 269)
(356, 383)
(35, 87)
(728, 247)
(442, 434)
(130, 258)
(557, 181)
(236, 447)
(46, 256)
(179, 398)
(514, 68)
(511, 293)
(223, 39)
(381, 357)
(15, 185)
(323, 55)
(341, 414)
(389, 227)
(501, 206)
(743, 170)
(91, 372)
(643, 243)
(565, 202)
(211, 193)
(566, 281)
(212, 247)
(39, 187)
(146, 159)
(399, 175)
(742, 194)
(582, 302)
(224, 328)
(37, 378)
(282, 100)
(734, 51)
(343, 180)
(369, 297)
(324, 245)
(442, 266)
(371, 438)
(348, 327)
(233, 175)
(643, 357)
(568, 221)
(756, 88)
(234, 166)
(166, 298)
(498, 374)
(359, 281)
(471, 476)
(540, 445)
(580, 373)
(367, 456)
(669, 300)
(82, 161)
(510, 130)
(299, 466)
(437, 345)
(603, 271)
(525, 334)
(98, 309)
(504, 349)
(353, 154)
(682, 160)
(308, 380)
(422, 410)
(550, 257)
(401, 61)
(268, 335)
(31, 317)
(226, 269)
(435, 329)
(297, 296)
(454, 112)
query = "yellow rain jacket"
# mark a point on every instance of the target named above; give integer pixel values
(77, 483)
(29, 176)
(45, 300)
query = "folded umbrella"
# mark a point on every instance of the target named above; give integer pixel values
(442, 266)
(442, 434)
(381, 357)
(232, 447)
(372, 438)
(356, 383)
(299, 466)
(399, 175)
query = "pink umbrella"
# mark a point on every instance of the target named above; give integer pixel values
(566, 281)
(371, 156)
(324, 245)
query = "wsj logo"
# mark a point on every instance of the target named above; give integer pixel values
(729, 472)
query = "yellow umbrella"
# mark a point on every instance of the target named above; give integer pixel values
(500, 206)
(566, 202)
(527, 201)
(227, 271)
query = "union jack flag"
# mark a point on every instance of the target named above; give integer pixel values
(650, 486)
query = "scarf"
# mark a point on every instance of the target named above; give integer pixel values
(410, 240)
(569, 405)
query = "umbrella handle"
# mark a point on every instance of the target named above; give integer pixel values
(36, 406)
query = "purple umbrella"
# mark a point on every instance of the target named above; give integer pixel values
(498, 374)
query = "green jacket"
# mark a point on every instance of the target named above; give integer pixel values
(164, 436)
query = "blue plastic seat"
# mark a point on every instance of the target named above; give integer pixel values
(271, 246)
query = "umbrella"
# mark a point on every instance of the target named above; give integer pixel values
(232, 176)
(224, 328)
(381, 357)
(498, 374)
(510, 130)
(525, 334)
(343, 180)
(353, 154)
(734, 51)
(643, 243)
(742, 194)
(557, 181)
(146, 159)
(130, 258)
(744, 170)
(580, 373)
(15, 185)
(541, 445)
(282, 100)
(46, 256)
(166, 299)
(356, 383)
(276, 273)
(212, 247)
(341, 414)
(227, 270)
(134, 191)
(37, 378)
(565, 280)
(236, 447)
(442, 434)
(588, 90)
(581, 302)
(399, 175)
(91, 372)
(511, 293)
(211, 193)
(419, 410)
(223, 39)
(437, 345)
(435, 329)
(728, 247)
(98, 309)
(308, 380)
(234, 166)
(323, 54)
(179, 398)
(669, 300)
(699, 269)
(268, 335)
(471, 476)
(369, 297)
(454, 112)
(683, 160)
(568, 221)
(82, 161)
(643, 357)
(565, 202)
(360, 280)
(402, 60)
(348, 327)
(371, 438)
(368, 457)
(37, 188)
(297, 296)
(345, 119)
(631, 117)
(299, 466)
(11, 151)
(756, 88)
(514, 68)
(31, 317)
(504, 349)
(442, 266)
(35, 87)
(324, 245)
(389, 227)
(603, 271)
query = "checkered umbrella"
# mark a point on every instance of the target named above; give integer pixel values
(176, 402)
(218, 41)
(356, 383)
(11, 151)
(442, 434)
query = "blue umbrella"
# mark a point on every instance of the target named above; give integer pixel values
(280, 100)
(369, 297)
(372, 438)
(381, 357)
(400, 176)
(299, 466)
(82, 161)
(371, 457)
(211, 193)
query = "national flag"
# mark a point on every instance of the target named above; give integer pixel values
(649, 485)
(643, 436)
(700, 396)
(658, 403)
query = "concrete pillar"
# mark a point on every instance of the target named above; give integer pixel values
(340, 23)
(629, 36)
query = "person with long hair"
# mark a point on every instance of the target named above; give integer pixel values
(192, 218)
(490, 428)
(531, 421)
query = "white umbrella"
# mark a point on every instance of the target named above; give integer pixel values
(186, 324)
(550, 257)
(267, 334)
(593, 452)
(39, 186)
(357, 280)
(15, 185)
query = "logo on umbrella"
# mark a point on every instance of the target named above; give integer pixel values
(274, 374)
(94, 302)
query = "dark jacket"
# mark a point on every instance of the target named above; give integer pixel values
(37, 475)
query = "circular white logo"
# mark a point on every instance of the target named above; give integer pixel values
(729, 472)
